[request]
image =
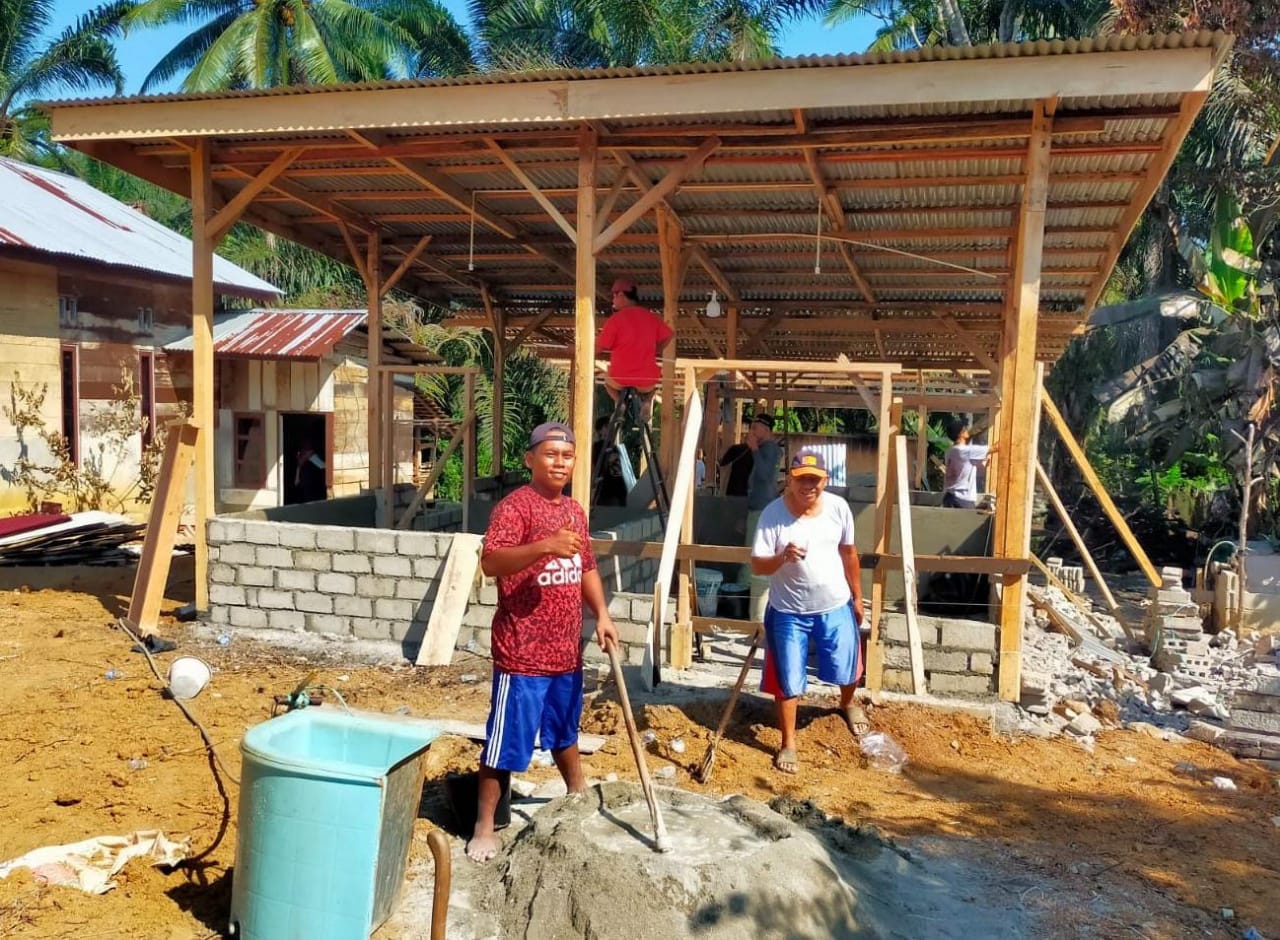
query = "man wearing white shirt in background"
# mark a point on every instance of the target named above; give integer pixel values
(804, 545)
(960, 485)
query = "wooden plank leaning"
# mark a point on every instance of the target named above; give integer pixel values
(162, 527)
(456, 581)
(650, 671)
(906, 541)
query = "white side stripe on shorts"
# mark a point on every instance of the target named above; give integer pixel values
(493, 747)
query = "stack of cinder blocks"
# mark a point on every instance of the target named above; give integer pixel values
(1173, 621)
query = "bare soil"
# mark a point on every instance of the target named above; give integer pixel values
(1129, 845)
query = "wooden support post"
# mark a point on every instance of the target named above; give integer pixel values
(889, 419)
(162, 527)
(1100, 492)
(1019, 391)
(584, 340)
(468, 450)
(381, 383)
(682, 630)
(906, 542)
(202, 411)
(922, 445)
(373, 297)
(1076, 539)
(497, 415)
(669, 237)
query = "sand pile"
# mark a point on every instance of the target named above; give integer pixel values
(586, 869)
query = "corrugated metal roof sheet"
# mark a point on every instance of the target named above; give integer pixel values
(278, 334)
(56, 214)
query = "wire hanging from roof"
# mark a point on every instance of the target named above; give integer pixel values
(759, 236)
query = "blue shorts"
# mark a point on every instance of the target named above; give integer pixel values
(834, 635)
(524, 709)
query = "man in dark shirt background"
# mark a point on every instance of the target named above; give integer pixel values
(739, 459)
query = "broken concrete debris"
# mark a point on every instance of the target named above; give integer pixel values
(1172, 679)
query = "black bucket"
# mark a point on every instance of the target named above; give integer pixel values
(735, 601)
(463, 791)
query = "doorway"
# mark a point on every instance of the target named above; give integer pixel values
(306, 448)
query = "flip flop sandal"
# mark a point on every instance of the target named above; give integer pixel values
(787, 761)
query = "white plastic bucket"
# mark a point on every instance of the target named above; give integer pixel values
(188, 676)
(707, 581)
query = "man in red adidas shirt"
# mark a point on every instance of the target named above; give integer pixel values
(539, 549)
(635, 336)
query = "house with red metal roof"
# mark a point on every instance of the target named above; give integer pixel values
(96, 297)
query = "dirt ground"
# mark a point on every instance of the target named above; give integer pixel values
(1130, 845)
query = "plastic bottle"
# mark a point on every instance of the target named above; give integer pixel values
(111, 674)
(883, 752)
(224, 639)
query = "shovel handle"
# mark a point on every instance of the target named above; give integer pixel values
(660, 830)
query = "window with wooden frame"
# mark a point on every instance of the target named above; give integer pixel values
(70, 383)
(147, 396)
(250, 451)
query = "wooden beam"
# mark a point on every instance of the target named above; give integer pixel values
(888, 421)
(660, 190)
(610, 199)
(968, 341)
(1147, 72)
(469, 472)
(374, 404)
(229, 214)
(533, 189)
(1100, 492)
(202, 377)
(1019, 391)
(922, 440)
(585, 318)
(718, 277)
(906, 542)
(162, 527)
(669, 240)
(497, 396)
(409, 259)
(681, 642)
(357, 256)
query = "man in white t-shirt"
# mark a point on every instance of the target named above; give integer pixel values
(804, 545)
(960, 485)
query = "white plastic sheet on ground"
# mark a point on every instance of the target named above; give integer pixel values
(91, 864)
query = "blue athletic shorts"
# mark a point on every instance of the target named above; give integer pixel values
(524, 709)
(833, 635)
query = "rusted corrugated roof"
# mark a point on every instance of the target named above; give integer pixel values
(52, 213)
(278, 334)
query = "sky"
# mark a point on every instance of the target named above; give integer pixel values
(140, 52)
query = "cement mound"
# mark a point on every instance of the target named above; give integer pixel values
(585, 868)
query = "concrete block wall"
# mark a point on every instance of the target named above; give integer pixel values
(960, 656)
(374, 584)
(630, 574)
(437, 516)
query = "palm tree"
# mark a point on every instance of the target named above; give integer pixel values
(263, 43)
(80, 58)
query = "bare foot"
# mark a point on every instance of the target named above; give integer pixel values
(787, 761)
(482, 847)
(857, 720)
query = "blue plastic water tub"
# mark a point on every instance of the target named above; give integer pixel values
(327, 804)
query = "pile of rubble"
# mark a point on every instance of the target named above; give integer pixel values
(1215, 688)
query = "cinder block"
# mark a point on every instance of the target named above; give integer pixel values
(312, 561)
(261, 533)
(371, 586)
(334, 538)
(619, 606)
(478, 615)
(969, 635)
(393, 566)
(313, 603)
(946, 683)
(327, 623)
(219, 613)
(334, 583)
(631, 632)
(272, 557)
(944, 661)
(896, 680)
(369, 628)
(237, 553)
(982, 664)
(289, 580)
(641, 609)
(253, 576)
(427, 567)
(484, 639)
(388, 609)
(352, 606)
(377, 541)
(276, 600)
(413, 590)
(489, 595)
(1264, 722)
(352, 563)
(252, 617)
(222, 574)
(226, 594)
(298, 536)
(416, 544)
(285, 620)
(251, 596)
(225, 530)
